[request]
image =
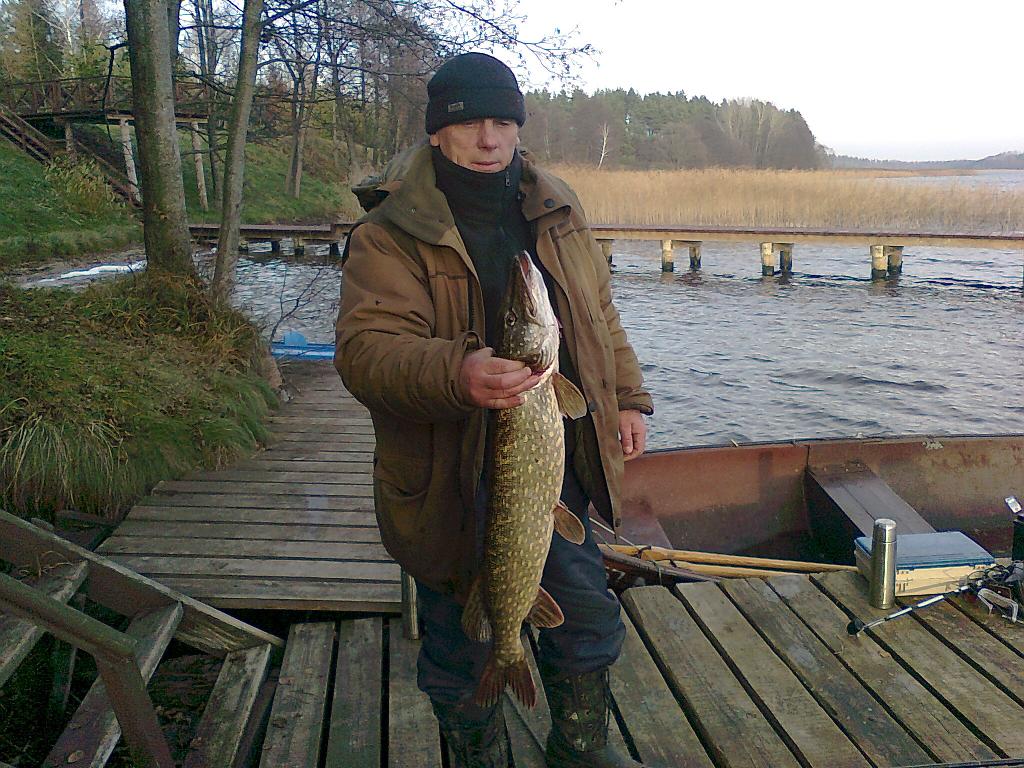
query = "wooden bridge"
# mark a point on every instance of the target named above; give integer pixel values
(885, 249)
(745, 673)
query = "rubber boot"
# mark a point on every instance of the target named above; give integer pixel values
(476, 736)
(579, 722)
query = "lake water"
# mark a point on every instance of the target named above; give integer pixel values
(729, 355)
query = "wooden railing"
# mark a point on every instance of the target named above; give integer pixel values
(77, 95)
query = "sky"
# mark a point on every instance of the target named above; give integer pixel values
(899, 79)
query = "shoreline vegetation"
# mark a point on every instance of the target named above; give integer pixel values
(108, 390)
(848, 200)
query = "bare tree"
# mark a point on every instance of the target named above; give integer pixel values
(165, 226)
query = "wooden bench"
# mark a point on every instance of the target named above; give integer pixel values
(846, 499)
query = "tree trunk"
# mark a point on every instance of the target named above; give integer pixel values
(165, 225)
(234, 163)
(207, 36)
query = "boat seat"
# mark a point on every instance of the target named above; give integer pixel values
(844, 502)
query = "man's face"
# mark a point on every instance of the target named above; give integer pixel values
(486, 144)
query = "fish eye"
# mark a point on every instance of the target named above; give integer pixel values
(510, 318)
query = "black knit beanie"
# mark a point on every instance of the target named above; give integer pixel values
(471, 86)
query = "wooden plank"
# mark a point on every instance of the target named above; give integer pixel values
(307, 519)
(413, 737)
(245, 531)
(984, 651)
(309, 594)
(271, 489)
(653, 718)
(807, 729)
(309, 452)
(316, 549)
(244, 500)
(114, 586)
(837, 691)
(863, 497)
(355, 466)
(354, 734)
(222, 566)
(228, 709)
(93, 732)
(993, 714)
(19, 636)
(291, 439)
(934, 726)
(728, 723)
(296, 719)
(347, 423)
(261, 476)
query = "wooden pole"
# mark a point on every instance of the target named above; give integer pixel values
(197, 153)
(129, 161)
(69, 141)
(715, 558)
(879, 262)
(667, 260)
(606, 249)
(695, 256)
(786, 258)
(894, 257)
(767, 259)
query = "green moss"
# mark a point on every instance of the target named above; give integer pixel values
(109, 390)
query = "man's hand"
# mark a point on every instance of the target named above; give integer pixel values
(632, 434)
(494, 382)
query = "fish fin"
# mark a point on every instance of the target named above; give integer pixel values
(475, 623)
(545, 612)
(494, 679)
(568, 525)
(570, 400)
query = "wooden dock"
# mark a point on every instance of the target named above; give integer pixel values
(291, 528)
(742, 674)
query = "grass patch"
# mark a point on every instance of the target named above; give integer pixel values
(324, 195)
(109, 390)
(812, 199)
(60, 209)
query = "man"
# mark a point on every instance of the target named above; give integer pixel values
(424, 277)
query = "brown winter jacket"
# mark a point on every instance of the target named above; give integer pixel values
(411, 308)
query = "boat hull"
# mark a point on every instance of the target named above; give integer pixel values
(757, 498)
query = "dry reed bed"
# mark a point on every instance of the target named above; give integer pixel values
(839, 200)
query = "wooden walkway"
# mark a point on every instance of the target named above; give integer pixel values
(742, 674)
(291, 528)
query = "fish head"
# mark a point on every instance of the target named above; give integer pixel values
(529, 330)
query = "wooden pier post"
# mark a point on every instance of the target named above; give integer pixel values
(767, 259)
(786, 258)
(69, 141)
(894, 255)
(129, 161)
(275, 246)
(298, 246)
(879, 262)
(335, 250)
(197, 153)
(668, 263)
(694, 256)
(606, 249)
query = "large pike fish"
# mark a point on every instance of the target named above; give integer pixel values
(526, 468)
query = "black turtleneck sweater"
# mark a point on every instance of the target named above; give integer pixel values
(488, 213)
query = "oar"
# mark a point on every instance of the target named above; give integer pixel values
(713, 558)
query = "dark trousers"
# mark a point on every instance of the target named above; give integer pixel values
(450, 663)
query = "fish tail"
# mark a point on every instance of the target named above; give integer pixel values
(495, 678)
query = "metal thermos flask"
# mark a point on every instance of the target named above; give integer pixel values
(882, 586)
